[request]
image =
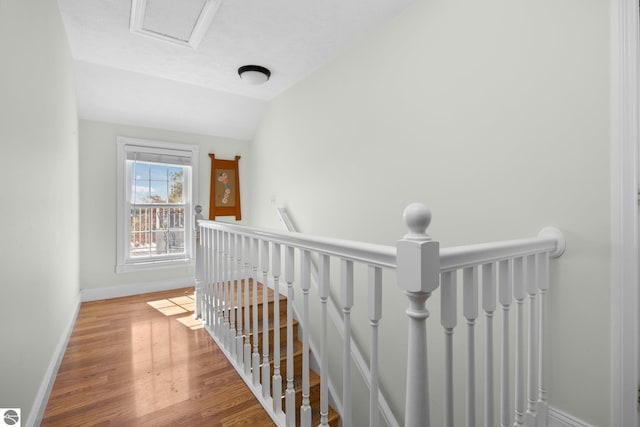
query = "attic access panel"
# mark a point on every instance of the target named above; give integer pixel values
(183, 22)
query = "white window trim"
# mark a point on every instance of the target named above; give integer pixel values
(122, 266)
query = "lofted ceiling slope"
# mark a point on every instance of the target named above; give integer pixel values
(186, 79)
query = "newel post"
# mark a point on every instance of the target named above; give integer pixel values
(418, 268)
(199, 261)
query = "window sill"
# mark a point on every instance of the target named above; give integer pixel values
(154, 265)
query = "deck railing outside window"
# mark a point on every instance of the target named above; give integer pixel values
(157, 230)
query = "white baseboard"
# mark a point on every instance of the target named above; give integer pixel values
(42, 397)
(94, 294)
(557, 418)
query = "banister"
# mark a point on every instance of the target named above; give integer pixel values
(419, 263)
(379, 255)
(550, 239)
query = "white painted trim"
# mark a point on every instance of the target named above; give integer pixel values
(625, 38)
(122, 205)
(155, 265)
(94, 294)
(42, 397)
(557, 418)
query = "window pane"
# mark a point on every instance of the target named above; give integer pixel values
(140, 191)
(159, 172)
(176, 177)
(152, 183)
(157, 195)
(175, 242)
(157, 231)
(139, 170)
(175, 174)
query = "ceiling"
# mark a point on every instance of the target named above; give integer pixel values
(172, 82)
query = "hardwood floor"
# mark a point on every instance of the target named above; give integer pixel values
(128, 364)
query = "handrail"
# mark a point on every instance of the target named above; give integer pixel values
(549, 239)
(377, 255)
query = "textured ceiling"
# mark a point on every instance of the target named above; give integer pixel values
(138, 80)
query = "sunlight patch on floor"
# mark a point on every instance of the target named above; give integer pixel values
(178, 305)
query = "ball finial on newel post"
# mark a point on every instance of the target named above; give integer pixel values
(417, 217)
(198, 216)
(418, 273)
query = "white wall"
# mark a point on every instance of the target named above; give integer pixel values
(98, 201)
(39, 197)
(494, 114)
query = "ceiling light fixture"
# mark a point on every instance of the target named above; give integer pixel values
(254, 74)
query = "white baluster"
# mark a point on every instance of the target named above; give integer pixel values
(448, 311)
(489, 307)
(375, 314)
(255, 356)
(323, 286)
(266, 370)
(470, 312)
(277, 376)
(532, 291)
(200, 259)
(518, 294)
(202, 276)
(290, 394)
(206, 303)
(211, 234)
(232, 296)
(418, 268)
(214, 282)
(215, 278)
(346, 287)
(239, 299)
(247, 323)
(542, 260)
(504, 295)
(227, 290)
(215, 272)
(233, 346)
(542, 409)
(219, 279)
(305, 282)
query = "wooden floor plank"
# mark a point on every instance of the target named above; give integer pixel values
(127, 364)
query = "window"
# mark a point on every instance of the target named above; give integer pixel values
(155, 194)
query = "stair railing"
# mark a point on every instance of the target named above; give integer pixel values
(508, 271)
(378, 401)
